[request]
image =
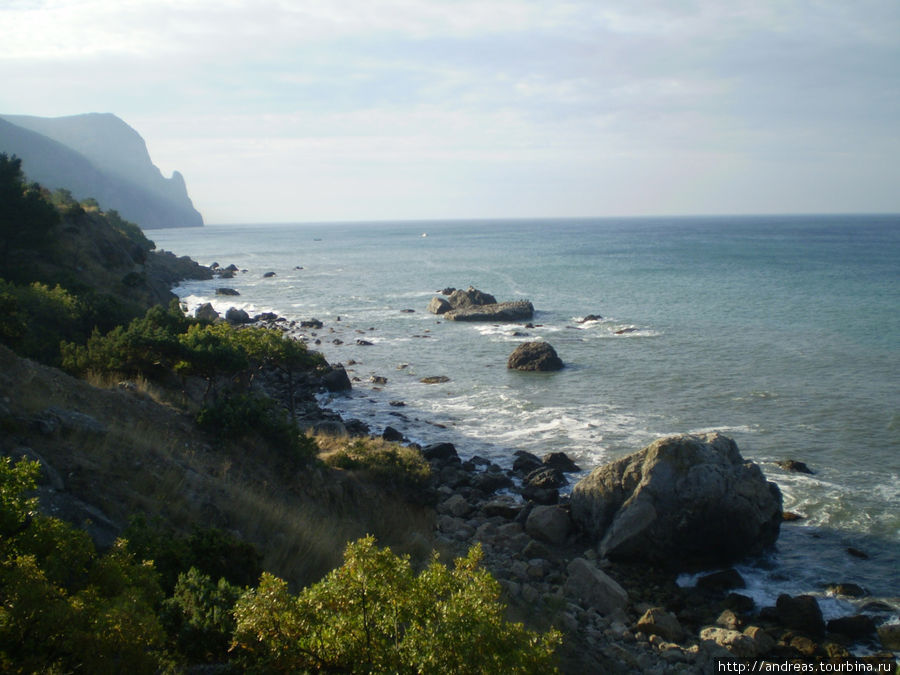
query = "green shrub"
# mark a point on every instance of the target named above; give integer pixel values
(245, 415)
(37, 318)
(211, 551)
(198, 617)
(63, 607)
(387, 463)
(374, 614)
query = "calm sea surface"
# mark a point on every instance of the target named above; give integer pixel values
(782, 332)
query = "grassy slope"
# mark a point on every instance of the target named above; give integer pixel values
(152, 457)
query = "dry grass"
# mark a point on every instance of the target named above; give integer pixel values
(152, 459)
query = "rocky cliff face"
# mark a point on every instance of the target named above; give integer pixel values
(100, 156)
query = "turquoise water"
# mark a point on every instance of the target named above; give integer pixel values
(782, 332)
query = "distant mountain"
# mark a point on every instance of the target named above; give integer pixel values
(100, 156)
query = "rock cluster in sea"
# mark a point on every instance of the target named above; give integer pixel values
(475, 305)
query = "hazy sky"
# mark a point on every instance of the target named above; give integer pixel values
(296, 110)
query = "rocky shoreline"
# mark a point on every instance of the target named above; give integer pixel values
(618, 603)
(620, 613)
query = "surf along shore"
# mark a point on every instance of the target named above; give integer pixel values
(621, 609)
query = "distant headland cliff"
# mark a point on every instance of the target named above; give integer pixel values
(100, 156)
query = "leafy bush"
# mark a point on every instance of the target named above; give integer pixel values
(374, 614)
(63, 607)
(198, 617)
(243, 415)
(37, 318)
(211, 551)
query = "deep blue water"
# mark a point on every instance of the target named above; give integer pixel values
(783, 332)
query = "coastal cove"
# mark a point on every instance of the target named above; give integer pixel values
(780, 332)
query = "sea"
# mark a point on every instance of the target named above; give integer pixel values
(782, 332)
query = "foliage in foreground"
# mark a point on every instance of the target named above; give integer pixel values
(374, 614)
(63, 607)
(66, 608)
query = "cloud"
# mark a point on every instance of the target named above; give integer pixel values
(543, 89)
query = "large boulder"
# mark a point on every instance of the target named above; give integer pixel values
(518, 310)
(335, 379)
(684, 501)
(595, 588)
(534, 355)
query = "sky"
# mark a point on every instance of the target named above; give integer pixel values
(342, 110)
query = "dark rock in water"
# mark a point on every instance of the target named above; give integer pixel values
(856, 553)
(540, 495)
(378, 379)
(440, 451)
(268, 275)
(364, 343)
(268, 317)
(525, 462)
(722, 580)
(231, 268)
(794, 466)
(336, 379)
(205, 312)
(684, 501)
(801, 613)
(491, 481)
(854, 627)
(889, 634)
(848, 590)
(357, 427)
(534, 356)
(226, 291)
(407, 311)
(397, 404)
(545, 477)
(560, 461)
(448, 290)
(877, 607)
(591, 317)
(235, 315)
(435, 379)
(391, 434)
(739, 603)
(439, 306)
(626, 331)
(518, 310)
(311, 323)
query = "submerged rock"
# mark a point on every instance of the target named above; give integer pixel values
(683, 501)
(794, 466)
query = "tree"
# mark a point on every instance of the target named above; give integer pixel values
(374, 614)
(26, 215)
